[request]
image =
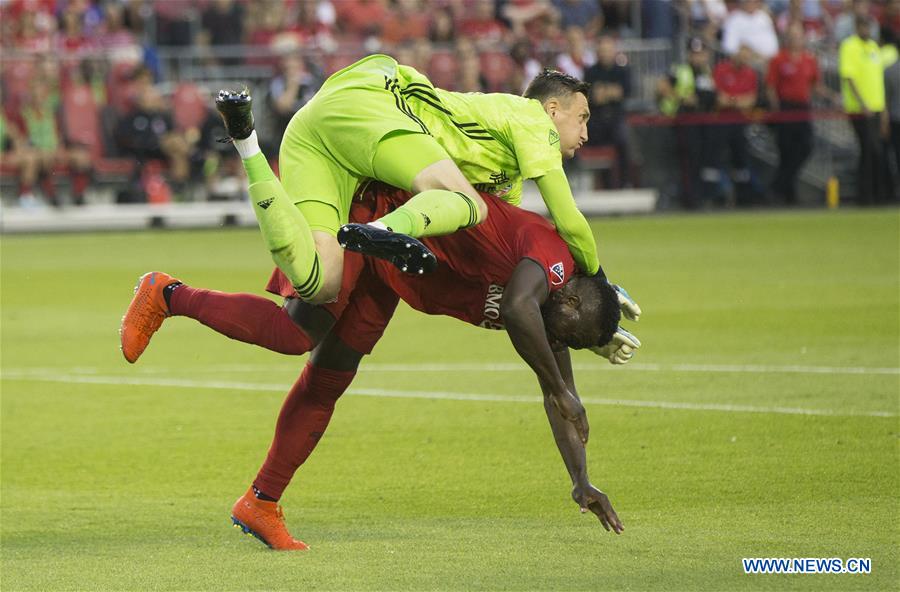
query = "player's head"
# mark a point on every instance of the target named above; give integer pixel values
(796, 38)
(565, 99)
(698, 54)
(863, 28)
(583, 313)
(743, 56)
(607, 50)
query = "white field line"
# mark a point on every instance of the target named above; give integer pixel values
(439, 395)
(733, 368)
(504, 367)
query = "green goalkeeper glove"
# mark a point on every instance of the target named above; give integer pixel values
(630, 309)
(620, 349)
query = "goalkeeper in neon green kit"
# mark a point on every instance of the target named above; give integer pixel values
(377, 119)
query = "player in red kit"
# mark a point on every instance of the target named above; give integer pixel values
(513, 272)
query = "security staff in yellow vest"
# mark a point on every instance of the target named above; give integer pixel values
(689, 88)
(861, 65)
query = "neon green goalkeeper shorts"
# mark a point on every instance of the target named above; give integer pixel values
(330, 143)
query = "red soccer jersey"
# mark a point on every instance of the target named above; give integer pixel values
(793, 77)
(474, 266)
(733, 80)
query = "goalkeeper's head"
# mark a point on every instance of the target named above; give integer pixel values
(584, 313)
(565, 99)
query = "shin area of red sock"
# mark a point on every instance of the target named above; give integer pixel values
(301, 423)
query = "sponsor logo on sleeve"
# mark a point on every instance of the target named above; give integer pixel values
(499, 186)
(557, 274)
(492, 300)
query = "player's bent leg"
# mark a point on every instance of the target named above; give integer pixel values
(285, 231)
(445, 201)
(303, 419)
(324, 220)
(445, 175)
(243, 317)
(145, 314)
(331, 260)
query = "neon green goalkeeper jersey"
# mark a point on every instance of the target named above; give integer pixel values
(498, 140)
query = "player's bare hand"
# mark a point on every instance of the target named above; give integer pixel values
(572, 410)
(590, 498)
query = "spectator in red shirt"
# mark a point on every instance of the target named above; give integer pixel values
(814, 22)
(406, 22)
(737, 88)
(73, 40)
(528, 18)
(792, 78)
(360, 19)
(481, 23)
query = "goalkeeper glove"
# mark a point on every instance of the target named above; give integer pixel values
(620, 349)
(630, 309)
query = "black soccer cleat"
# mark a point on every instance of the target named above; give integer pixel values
(235, 107)
(404, 252)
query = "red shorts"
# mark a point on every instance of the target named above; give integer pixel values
(364, 306)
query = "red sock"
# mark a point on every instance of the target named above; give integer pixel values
(302, 421)
(245, 317)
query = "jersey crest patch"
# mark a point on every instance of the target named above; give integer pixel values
(554, 137)
(557, 274)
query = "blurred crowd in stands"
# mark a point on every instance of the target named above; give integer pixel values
(97, 91)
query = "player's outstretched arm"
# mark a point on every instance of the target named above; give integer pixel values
(570, 222)
(574, 455)
(526, 292)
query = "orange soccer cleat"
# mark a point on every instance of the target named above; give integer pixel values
(265, 521)
(145, 314)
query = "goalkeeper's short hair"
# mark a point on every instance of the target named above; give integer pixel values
(552, 83)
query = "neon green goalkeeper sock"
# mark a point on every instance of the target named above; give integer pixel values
(284, 229)
(433, 213)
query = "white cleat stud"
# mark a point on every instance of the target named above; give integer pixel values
(408, 245)
(421, 271)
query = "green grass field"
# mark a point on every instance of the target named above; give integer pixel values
(760, 419)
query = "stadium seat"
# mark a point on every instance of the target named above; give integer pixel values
(119, 87)
(189, 105)
(497, 69)
(16, 79)
(81, 126)
(442, 69)
(600, 158)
